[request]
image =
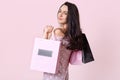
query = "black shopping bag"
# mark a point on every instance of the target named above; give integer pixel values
(87, 55)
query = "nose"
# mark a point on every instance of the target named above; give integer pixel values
(61, 14)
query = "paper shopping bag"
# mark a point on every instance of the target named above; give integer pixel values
(45, 55)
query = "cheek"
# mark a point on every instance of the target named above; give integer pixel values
(65, 17)
(58, 15)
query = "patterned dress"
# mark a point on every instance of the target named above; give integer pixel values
(63, 62)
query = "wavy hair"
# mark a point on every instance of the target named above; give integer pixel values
(73, 32)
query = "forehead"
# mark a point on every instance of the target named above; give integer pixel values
(64, 8)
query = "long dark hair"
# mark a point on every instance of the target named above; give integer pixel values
(73, 32)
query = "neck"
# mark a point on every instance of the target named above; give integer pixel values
(64, 26)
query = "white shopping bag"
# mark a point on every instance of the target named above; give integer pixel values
(45, 55)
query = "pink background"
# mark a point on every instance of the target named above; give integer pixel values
(23, 20)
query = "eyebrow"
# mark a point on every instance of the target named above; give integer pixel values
(63, 11)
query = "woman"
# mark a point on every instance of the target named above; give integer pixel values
(69, 33)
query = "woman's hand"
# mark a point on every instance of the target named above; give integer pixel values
(47, 31)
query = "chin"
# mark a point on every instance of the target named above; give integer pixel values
(61, 22)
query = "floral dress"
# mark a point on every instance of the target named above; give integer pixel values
(63, 62)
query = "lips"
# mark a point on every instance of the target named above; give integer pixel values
(60, 18)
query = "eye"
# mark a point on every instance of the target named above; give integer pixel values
(66, 13)
(59, 11)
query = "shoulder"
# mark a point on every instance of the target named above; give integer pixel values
(58, 32)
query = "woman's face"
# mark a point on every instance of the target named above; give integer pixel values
(62, 14)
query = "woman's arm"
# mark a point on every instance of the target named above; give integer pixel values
(47, 32)
(45, 35)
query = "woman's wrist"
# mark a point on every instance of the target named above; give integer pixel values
(45, 35)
